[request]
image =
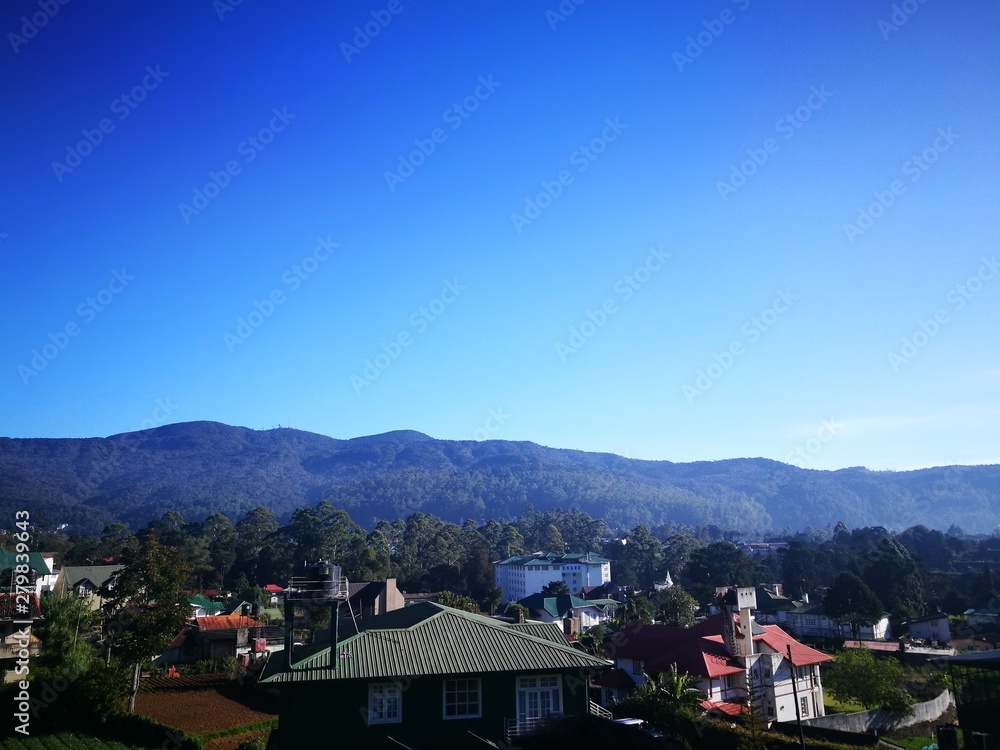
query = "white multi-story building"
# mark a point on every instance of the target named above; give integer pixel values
(525, 575)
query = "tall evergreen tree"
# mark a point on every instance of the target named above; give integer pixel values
(850, 601)
(144, 604)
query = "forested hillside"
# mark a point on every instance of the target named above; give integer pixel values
(200, 468)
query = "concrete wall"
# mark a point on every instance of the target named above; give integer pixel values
(880, 720)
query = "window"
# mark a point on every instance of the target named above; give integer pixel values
(804, 704)
(461, 699)
(538, 698)
(385, 703)
(636, 666)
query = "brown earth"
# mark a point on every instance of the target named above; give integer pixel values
(204, 710)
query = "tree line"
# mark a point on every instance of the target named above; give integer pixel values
(906, 572)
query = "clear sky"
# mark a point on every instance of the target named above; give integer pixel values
(676, 231)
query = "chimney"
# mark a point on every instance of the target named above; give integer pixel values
(805, 598)
(747, 599)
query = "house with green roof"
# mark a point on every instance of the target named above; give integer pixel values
(86, 581)
(40, 570)
(202, 606)
(582, 613)
(429, 676)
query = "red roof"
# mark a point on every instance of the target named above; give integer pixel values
(697, 650)
(778, 641)
(729, 709)
(273, 588)
(222, 622)
(706, 657)
(642, 641)
(700, 650)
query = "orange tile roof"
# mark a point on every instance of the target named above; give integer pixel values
(729, 709)
(222, 622)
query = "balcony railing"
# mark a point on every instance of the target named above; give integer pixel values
(519, 727)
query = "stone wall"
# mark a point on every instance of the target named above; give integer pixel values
(879, 720)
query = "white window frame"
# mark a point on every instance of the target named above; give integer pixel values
(454, 689)
(384, 691)
(538, 684)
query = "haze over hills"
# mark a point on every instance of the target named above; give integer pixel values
(199, 468)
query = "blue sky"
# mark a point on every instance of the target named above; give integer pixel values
(685, 233)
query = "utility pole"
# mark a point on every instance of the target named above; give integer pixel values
(795, 697)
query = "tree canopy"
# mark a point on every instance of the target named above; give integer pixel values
(851, 601)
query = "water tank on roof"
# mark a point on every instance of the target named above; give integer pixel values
(319, 581)
(324, 575)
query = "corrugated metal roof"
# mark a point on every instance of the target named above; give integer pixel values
(96, 574)
(35, 560)
(430, 639)
(547, 630)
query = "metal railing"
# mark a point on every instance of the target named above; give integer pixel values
(519, 727)
(305, 588)
(598, 710)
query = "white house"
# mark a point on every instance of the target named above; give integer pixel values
(723, 652)
(583, 613)
(932, 627)
(811, 621)
(985, 617)
(524, 575)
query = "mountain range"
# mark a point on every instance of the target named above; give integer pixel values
(200, 468)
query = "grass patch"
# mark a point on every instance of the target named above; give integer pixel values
(833, 706)
(912, 743)
(62, 741)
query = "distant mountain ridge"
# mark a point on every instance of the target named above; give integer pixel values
(199, 468)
